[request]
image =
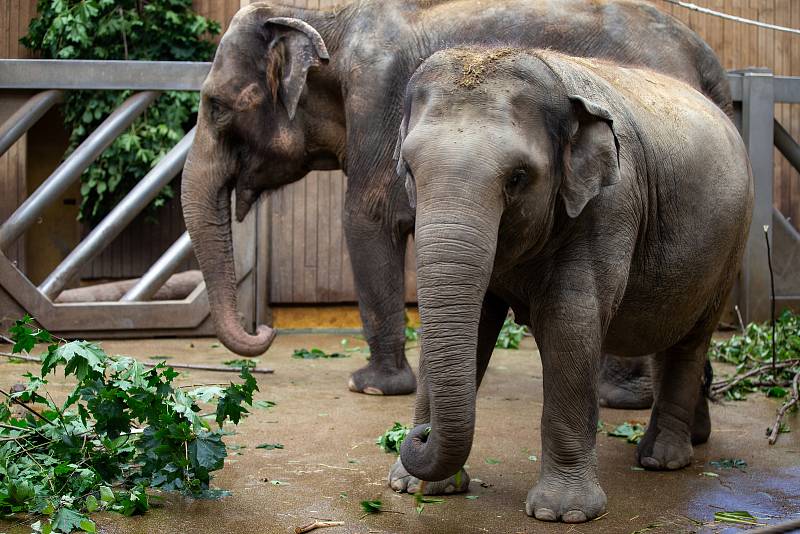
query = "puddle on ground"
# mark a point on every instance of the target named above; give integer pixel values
(773, 496)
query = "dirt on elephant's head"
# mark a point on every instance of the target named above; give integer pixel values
(477, 64)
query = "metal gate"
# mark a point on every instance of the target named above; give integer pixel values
(134, 313)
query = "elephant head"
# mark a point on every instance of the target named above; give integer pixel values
(497, 150)
(252, 135)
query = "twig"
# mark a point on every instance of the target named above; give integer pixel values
(34, 412)
(724, 385)
(5, 339)
(317, 524)
(122, 31)
(772, 290)
(739, 316)
(218, 368)
(795, 399)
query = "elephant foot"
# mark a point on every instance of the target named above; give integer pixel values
(664, 447)
(402, 482)
(560, 500)
(374, 380)
(625, 383)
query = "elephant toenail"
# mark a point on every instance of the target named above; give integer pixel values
(545, 514)
(574, 516)
(369, 390)
(675, 464)
(351, 385)
(650, 463)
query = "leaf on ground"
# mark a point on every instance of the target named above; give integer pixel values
(68, 520)
(269, 446)
(740, 517)
(250, 363)
(472, 497)
(314, 354)
(632, 431)
(709, 474)
(492, 461)
(728, 463)
(278, 483)
(372, 507)
(532, 458)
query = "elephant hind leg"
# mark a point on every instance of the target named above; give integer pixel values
(625, 383)
(680, 413)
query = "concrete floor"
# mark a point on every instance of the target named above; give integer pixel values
(330, 462)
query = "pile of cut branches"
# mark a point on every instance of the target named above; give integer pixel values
(124, 428)
(761, 365)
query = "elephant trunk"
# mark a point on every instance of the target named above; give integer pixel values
(206, 202)
(456, 241)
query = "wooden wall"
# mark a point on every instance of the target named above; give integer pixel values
(309, 261)
(14, 17)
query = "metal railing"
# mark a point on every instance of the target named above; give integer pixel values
(134, 311)
(755, 91)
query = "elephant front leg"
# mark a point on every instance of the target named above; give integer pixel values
(377, 254)
(568, 489)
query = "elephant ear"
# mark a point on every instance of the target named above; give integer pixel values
(592, 157)
(402, 167)
(295, 47)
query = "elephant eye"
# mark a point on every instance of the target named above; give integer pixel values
(517, 178)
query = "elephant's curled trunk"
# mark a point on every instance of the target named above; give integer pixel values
(206, 202)
(454, 265)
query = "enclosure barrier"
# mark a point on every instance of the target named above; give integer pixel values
(754, 91)
(134, 314)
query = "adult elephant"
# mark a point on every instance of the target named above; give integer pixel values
(295, 90)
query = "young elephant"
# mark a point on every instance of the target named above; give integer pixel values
(609, 207)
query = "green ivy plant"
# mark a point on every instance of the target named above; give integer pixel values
(123, 30)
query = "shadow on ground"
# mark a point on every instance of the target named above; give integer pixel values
(330, 462)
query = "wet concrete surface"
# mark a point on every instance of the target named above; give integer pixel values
(330, 461)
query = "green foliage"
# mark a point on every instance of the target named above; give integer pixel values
(114, 30)
(630, 430)
(510, 335)
(123, 426)
(753, 350)
(314, 354)
(372, 507)
(739, 517)
(729, 463)
(250, 363)
(390, 440)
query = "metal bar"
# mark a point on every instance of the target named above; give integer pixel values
(71, 169)
(26, 116)
(787, 89)
(87, 74)
(120, 217)
(758, 113)
(787, 146)
(159, 273)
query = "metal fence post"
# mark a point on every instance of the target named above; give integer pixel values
(758, 112)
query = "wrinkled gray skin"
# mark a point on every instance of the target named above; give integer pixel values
(294, 90)
(608, 207)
